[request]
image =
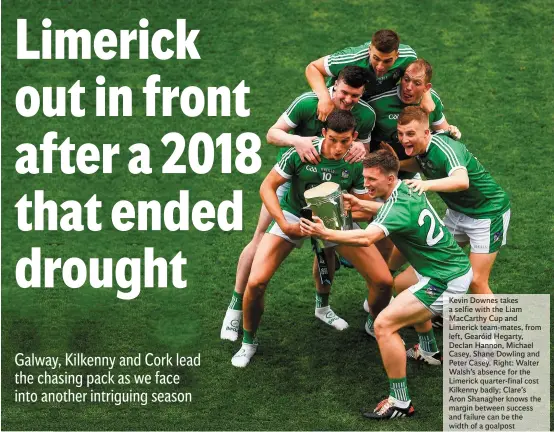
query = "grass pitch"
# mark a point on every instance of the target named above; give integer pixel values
(493, 69)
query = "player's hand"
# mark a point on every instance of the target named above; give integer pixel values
(292, 230)
(312, 229)
(418, 186)
(324, 108)
(356, 153)
(351, 203)
(305, 148)
(427, 104)
(454, 132)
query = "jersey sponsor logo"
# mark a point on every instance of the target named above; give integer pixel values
(311, 168)
(345, 174)
(329, 170)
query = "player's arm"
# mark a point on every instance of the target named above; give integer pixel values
(457, 181)
(278, 135)
(427, 103)
(409, 165)
(441, 124)
(361, 205)
(356, 237)
(268, 193)
(315, 74)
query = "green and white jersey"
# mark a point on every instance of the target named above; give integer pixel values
(301, 115)
(484, 197)
(359, 56)
(387, 107)
(304, 176)
(412, 224)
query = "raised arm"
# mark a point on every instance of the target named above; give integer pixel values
(315, 74)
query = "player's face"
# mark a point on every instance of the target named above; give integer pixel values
(345, 97)
(413, 85)
(377, 182)
(381, 62)
(413, 137)
(337, 144)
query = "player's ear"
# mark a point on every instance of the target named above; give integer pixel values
(324, 132)
(428, 86)
(354, 135)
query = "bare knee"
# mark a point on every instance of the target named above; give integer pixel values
(382, 327)
(383, 285)
(255, 288)
(479, 285)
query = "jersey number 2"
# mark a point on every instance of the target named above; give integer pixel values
(431, 241)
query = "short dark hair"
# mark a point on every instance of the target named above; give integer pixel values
(354, 76)
(425, 66)
(385, 160)
(385, 41)
(411, 113)
(340, 121)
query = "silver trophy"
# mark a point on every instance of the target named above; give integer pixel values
(326, 203)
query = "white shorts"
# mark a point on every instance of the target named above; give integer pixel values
(275, 229)
(435, 294)
(484, 235)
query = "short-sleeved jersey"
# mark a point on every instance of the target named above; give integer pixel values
(359, 56)
(412, 224)
(387, 107)
(301, 115)
(304, 176)
(484, 197)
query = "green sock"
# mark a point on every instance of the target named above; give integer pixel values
(321, 300)
(236, 301)
(399, 389)
(369, 321)
(248, 336)
(427, 341)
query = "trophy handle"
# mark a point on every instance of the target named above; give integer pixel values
(348, 222)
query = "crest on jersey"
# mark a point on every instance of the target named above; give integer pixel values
(496, 236)
(345, 174)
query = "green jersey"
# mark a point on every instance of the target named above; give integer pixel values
(414, 227)
(301, 115)
(387, 107)
(359, 56)
(483, 199)
(304, 176)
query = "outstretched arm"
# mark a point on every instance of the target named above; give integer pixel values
(456, 182)
(356, 237)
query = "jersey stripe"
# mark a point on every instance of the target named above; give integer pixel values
(298, 100)
(446, 153)
(388, 206)
(436, 94)
(447, 150)
(285, 157)
(363, 51)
